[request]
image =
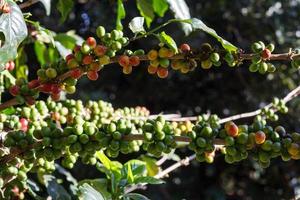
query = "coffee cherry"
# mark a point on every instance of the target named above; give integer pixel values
(152, 55)
(263, 68)
(10, 66)
(154, 63)
(206, 64)
(70, 89)
(55, 96)
(164, 62)
(33, 84)
(100, 50)
(164, 52)
(127, 69)
(266, 54)
(51, 73)
(91, 41)
(152, 69)
(123, 61)
(104, 60)
(162, 72)
(185, 48)
(14, 90)
(92, 75)
(214, 57)
(256, 47)
(85, 48)
(69, 57)
(232, 129)
(24, 124)
(87, 60)
(76, 73)
(46, 88)
(100, 31)
(72, 63)
(260, 137)
(134, 61)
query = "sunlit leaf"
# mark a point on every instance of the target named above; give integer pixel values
(121, 14)
(160, 7)
(146, 10)
(168, 40)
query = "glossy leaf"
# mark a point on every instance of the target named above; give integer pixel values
(160, 7)
(197, 24)
(121, 14)
(168, 40)
(13, 26)
(87, 192)
(146, 10)
(99, 184)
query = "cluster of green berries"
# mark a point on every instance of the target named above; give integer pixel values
(209, 56)
(277, 105)
(262, 55)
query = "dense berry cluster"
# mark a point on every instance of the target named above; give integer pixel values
(262, 55)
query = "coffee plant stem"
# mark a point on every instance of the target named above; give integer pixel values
(28, 3)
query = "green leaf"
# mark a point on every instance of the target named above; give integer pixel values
(22, 71)
(160, 7)
(104, 159)
(47, 5)
(152, 168)
(138, 167)
(181, 11)
(130, 177)
(168, 40)
(13, 26)
(197, 24)
(121, 13)
(99, 184)
(87, 192)
(65, 7)
(66, 40)
(56, 191)
(146, 10)
(9, 111)
(148, 180)
(136, 196)
(40, 51)
(136, 25)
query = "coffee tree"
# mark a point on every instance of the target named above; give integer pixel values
(39, 136)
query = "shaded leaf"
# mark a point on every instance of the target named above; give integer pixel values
(99, 184)
(56, 191)
(146, 10)
(66, 40)
(197, 24)
(121, 13)
(136, 196)
(13, 26)
(181, 11)
(136, 25)
(138, 167)
(65, 7)
(168, 40)
(148, 180)
(40, 51)
(47, 5)
(160, 7)
(87, 192)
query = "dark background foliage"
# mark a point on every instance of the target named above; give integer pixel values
(224, 91)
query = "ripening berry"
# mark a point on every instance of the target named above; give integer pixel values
(294, 149)
(10, 66)
(92, 75)
(77, 48)
(271, 47)
(152, 69)
(69, 57)
(152, 55)
(260, 137)
(55, 96)
(231, 129)
(100, 50)
(162, 72)
(91, 41)
(134, 61)
(184, 69)
(55, 89)
(33, 84)
(87, 60)
(266, 54)
(185, 48)
(176, 64)
(29, 100)
(70, 89)
(100, 31)
(123, 61)
(163, 52)
(51, 73)
(94, 66)
(46, 88)
(55, 116)
(85, 48)
(24, 124)
(76, 73)
(206, 64)
(14, 90)
(104, 60)
(127, 69)
(72, 63)
(164, 62)
(214, 57)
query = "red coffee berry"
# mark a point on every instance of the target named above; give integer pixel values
(55, 96)
(69, 57)
(10, 66)
(46, 87)
(14, 90)
(124, 61)
(134, 60)
(266, 54)
(91, 41)
(55, 89)
(33, 84)
(24, 124)
(92, 75)
(232, 129)
(87, 60)
(162, 72)
(76, 73)
(77, 48)
(55, 116)
(185, 48)
(29, 100)
(95, 66)
(100, 50)
(152, 69)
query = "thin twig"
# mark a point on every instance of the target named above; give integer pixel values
(28, 3)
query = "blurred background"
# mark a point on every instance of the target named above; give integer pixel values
(224, 91)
